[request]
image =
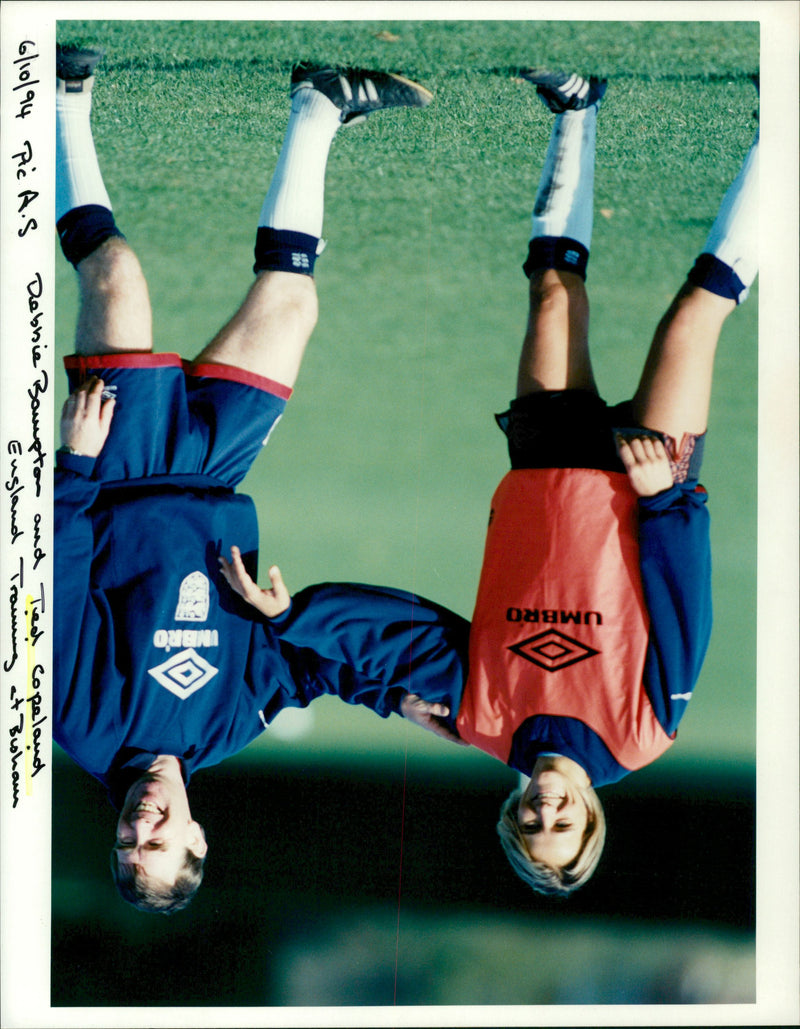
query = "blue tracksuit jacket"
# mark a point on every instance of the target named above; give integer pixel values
(155, 654)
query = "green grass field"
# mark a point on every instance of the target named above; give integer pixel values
(384, 464)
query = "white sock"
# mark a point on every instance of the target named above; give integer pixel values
(78, 177)
(564, 202)
(733, 237)
(295, 199)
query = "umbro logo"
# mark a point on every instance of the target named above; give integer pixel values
(184, 673)
(552, 650)
(300, 260)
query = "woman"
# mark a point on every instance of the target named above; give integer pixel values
(593, 612)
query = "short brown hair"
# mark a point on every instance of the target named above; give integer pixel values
(150, 895)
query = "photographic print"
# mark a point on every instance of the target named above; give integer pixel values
(385, 522)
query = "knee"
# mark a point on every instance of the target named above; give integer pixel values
(555, 292)
(696, 316)
(112, 268)
(289, 297)
(557, 298)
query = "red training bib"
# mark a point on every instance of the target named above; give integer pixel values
(560, 624)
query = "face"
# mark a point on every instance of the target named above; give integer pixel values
(552, 817)
(155, 828)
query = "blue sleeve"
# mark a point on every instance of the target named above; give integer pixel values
(675, 557)
(376, 644)
(73, 547)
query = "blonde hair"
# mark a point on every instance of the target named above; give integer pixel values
(555, 881)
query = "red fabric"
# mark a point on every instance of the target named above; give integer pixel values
(561, 580)
(122, 359)
(147, 359)
(234, 374)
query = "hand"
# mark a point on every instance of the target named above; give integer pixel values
(429, 716)
(646, 462)
(86, 418)
(271, 602)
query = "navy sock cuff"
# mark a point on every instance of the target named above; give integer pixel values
(83, 229)
(285, 251)
(717, 277)
(566, 255)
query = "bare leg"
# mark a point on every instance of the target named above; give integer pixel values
(555, 351)
(675, 389)
(268, 334)
(674, 392)
(114, 313)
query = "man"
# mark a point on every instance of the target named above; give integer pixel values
(593, 611)
(157, 673)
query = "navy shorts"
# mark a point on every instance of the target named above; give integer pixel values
(576, 429)
(176, 418)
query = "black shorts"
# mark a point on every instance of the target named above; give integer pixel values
(576, 429)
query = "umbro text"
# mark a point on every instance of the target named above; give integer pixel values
(166, 639)
(552, 616)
